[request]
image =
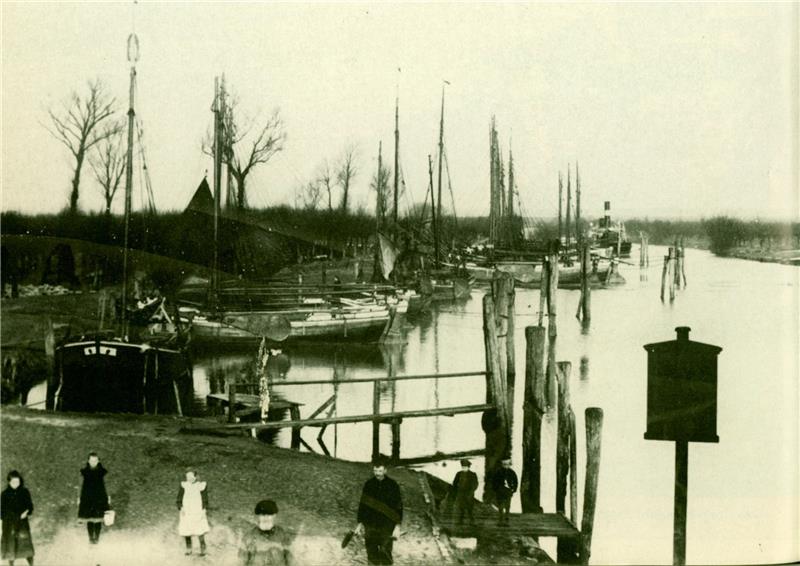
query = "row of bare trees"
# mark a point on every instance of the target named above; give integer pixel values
(87, 122)
(89, 125)
(329, 180)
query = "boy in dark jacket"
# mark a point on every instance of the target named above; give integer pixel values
(504, 483)
(266, 544)
(380, 512)
(463, 492)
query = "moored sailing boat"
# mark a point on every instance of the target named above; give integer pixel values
(108, 373)
(246, 313)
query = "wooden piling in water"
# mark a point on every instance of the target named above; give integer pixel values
(494, 422)
(672, 269)
(569, 550)
(563, 370)
(376, 426)
(683, 263)
(665, 272)
(545, 277)
(585, 302)
(552, 287)
(533, 410)
(396, 439)
(500, 296)
(294, 413)
(511, 354)
(573, 468)
(594, 430)
(677, 270)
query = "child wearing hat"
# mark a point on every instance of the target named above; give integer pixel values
(463, 492)
(266, 544)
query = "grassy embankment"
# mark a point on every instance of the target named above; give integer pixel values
(146, 458)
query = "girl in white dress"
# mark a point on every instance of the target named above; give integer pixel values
(192, 503)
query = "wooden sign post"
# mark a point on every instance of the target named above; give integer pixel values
(681, 407)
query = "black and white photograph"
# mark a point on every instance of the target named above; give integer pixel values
(346, 283)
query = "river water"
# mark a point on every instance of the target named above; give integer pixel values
(743, 492)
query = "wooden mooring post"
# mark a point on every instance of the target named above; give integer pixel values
(376, 425)
(594, 430)
(563, 370)
(677, 271)
(504, 297)
(495, 422)
(666, 275)
(534, 406)
(552, 331)
(545, 277)
(683, 263)
(584, 312)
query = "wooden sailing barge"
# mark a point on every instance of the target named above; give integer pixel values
(108, 373)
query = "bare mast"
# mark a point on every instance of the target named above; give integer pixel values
(218, 110)
(433, 212)
(569, 205)
(133, 57)
(396, 155)
(578, 233)
(439, 189)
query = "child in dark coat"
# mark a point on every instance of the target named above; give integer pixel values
(94, 501)
(15, 508)
(504, 483)
(463, 492)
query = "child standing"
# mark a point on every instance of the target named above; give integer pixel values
(192, 503)
(463, 492)
(93, 501)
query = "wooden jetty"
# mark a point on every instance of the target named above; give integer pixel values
(519, 524)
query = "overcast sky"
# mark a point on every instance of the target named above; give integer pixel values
(678, 110)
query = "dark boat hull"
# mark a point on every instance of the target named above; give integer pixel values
(121, 377)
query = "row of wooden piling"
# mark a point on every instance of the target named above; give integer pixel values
(673, 272)
(546, 388)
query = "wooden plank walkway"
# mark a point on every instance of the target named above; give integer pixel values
(380, 417)
(248, 400)
(519, 524)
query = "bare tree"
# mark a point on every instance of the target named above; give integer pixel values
(380, 184)
(108, 164)
(325, 179)
(346, 172)
(246, 146)
(311, 195)
(76, 125)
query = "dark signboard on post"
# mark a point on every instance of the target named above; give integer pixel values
(682, 407)
(682, 390)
